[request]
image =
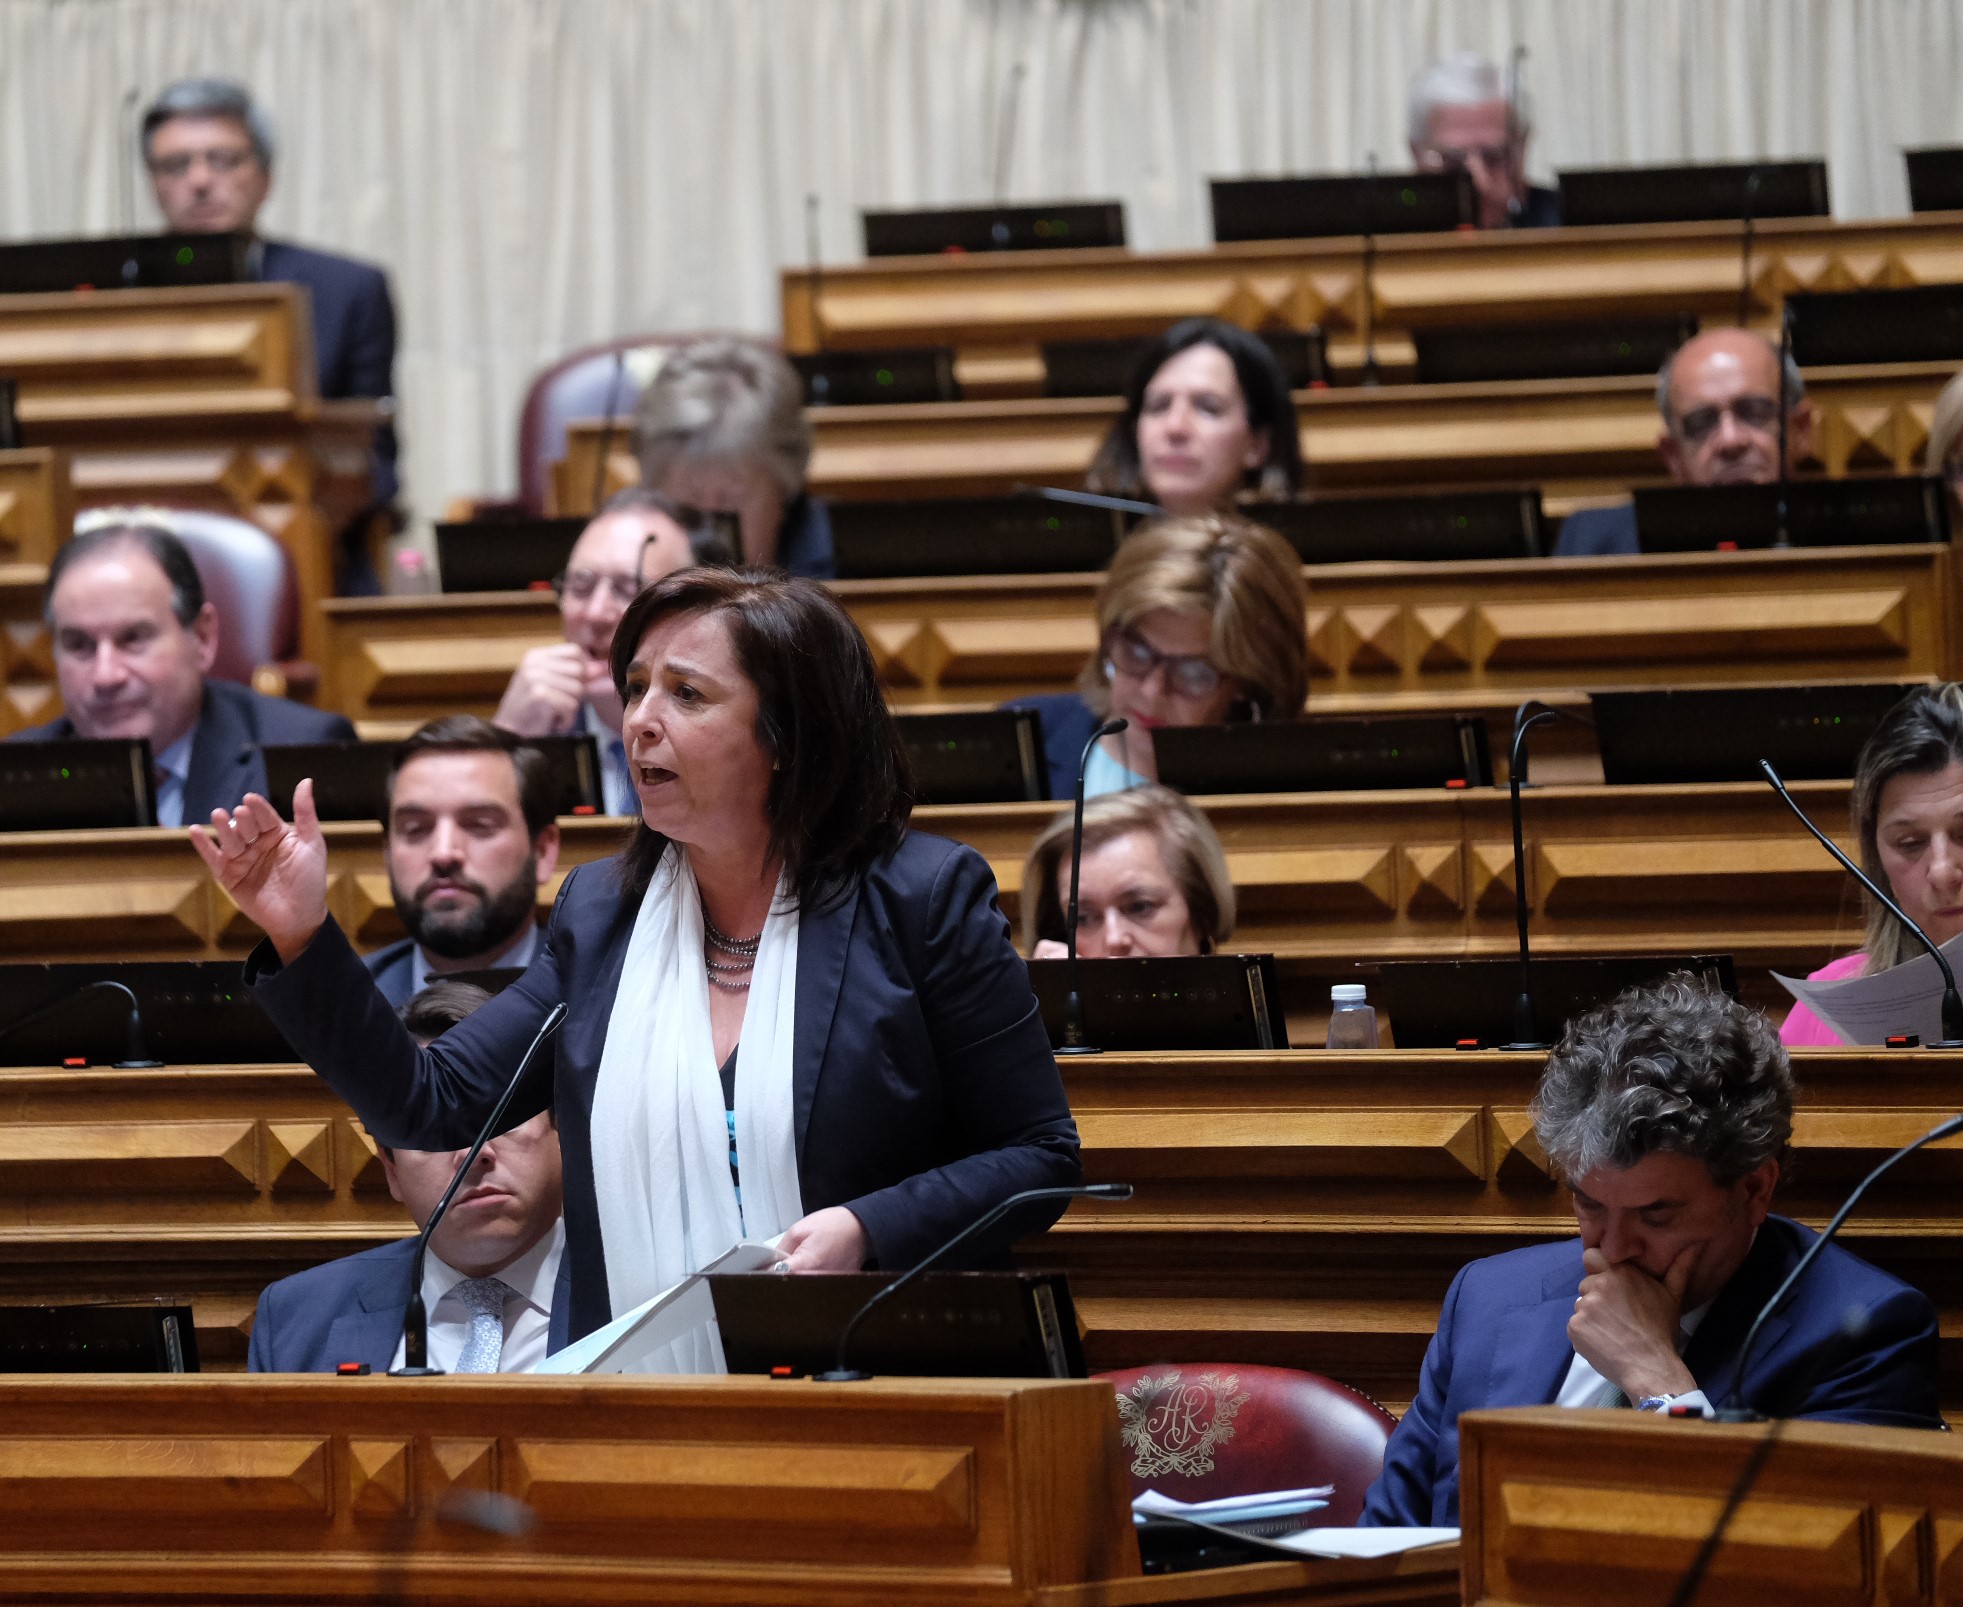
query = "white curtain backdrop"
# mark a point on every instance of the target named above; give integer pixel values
(536, 174)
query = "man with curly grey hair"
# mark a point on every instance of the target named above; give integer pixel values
(1670, 1114)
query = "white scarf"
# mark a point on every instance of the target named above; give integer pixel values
(660, 1133)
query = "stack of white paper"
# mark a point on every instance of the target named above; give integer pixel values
(1261, 1507)
(1364, 1542)
(1870, 1009)
(631, 1343)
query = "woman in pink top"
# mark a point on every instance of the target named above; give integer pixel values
(1908, 816)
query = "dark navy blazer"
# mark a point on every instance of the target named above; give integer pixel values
(924, 1089)
(394, 971)
(1068, 722)
(1598, 532)
(226, 762)
(1502, 1340)
(354, 332)
(346, 1310)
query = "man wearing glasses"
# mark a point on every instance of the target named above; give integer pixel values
(1461, 117)
(636, 539)
(1719, 395)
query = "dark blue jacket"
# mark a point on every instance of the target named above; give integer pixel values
(226, 762)
(394, 970)
(804, 539)
(354, 333)
(1502, 1340)
(924, 1090)
(1598, 532)
(1068, 722)
(346, 1310)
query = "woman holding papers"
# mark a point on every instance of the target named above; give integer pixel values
(1908, 816)
(789, 1014)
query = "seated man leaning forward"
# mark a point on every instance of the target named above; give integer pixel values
(134, 643)
(1719, 396)
(489, 1282)
(1669, 1113)
(469, 839)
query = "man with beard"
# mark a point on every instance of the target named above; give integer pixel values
(1719, 395)
(470, 840)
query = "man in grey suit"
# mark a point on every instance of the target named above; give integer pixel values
(471, 838)
(134, 642)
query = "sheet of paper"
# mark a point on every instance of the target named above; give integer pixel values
(624, 1344)
(1235, 1508)
(1364, 1542)
(1868, 1009)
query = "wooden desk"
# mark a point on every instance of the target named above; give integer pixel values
(304, 1490)
(1612, 1507)
(1306, 1209)
(994, 308)
(1578, 439)
(201, 397)
(37, 510)
(1382, 637)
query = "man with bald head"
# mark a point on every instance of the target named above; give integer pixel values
(636, 539)
(1719, 395)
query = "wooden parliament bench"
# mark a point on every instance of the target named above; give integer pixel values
(1382, 637)
(1303, 1209)
(1581, 440)
(198, 397)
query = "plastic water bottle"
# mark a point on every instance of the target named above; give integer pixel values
(1352, 1023)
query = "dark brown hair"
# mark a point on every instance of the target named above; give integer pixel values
(439, 1007)
(841, 792)
(538, 786)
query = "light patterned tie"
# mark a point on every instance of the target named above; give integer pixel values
(484, 1299)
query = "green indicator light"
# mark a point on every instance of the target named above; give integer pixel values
(1464, 523)
(884, 376)
(1053, 522)
(1059, 228)
(64, 772)
(1409, 195)
(184, 256)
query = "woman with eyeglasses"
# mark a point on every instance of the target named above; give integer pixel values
(1200, 621)
(1207, 416)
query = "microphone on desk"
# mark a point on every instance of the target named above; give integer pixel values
(843, 1374)
(1745, 248)
(1524, 1025)
(1367, 279)
(1952, 1037)
(415, 1319)
(136, 1051)
(1089, 499)
(1782, 535)
(1073, 1003)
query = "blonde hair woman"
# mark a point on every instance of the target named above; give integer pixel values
(1200, 620)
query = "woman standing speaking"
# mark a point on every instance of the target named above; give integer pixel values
(789, 1013)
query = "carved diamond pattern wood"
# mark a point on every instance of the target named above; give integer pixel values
(1444, 638)
(1434, 879)
(1377, 638)
(300, 1157)
(380, 1482)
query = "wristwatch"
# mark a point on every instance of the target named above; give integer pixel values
(1655, 1403)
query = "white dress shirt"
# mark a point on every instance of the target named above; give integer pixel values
(173, 772)
(616, 775)
(1584, 1386)
(527, 1309)
(516, 957)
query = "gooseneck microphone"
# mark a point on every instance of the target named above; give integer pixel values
(1782, 535)
(1367, 279)
(136, 1052)
(844, 1374)
(1952, 1037)
(415, 1320)
(1090, 499)
(1073, 1003)
(1745, 248)
(1523, 1004)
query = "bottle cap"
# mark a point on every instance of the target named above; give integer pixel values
(1347, 993)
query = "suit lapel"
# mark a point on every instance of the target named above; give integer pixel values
(221, 760)
(371, 1329)
(822, 940)
(1531, 1353)
(1712, 1354)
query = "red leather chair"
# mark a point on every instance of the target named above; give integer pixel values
(248, 579)
(1196, 1431)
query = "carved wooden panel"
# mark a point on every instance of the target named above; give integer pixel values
(35, 505)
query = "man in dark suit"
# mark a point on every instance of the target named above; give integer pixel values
(209, 149)
(490, 1281)
(1669, 1112)
(1719, 396)
(134, 642)
(471, 838)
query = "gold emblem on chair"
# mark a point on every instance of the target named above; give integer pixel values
(1172, 1426)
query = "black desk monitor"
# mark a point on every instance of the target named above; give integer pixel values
(98, 1339)
(861, 378)
(942, 1325)
(1917, 324)
(993, 756)
(1051, 226)
(122, 262)
(1441, 1004)
(1105, 367)
(1708, 192)
(1810, 733)
(1575, 348)
(351, 778)
(1338, 753)
(970, 536)
(76, 785)
(1935, 179)
(1204, 1001)
(1322, 205)
(195, 1013)
(1867, 512)
(9, 414)
(504, 554)
(1446, 527)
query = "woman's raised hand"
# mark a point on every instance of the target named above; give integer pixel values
(275, 873)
